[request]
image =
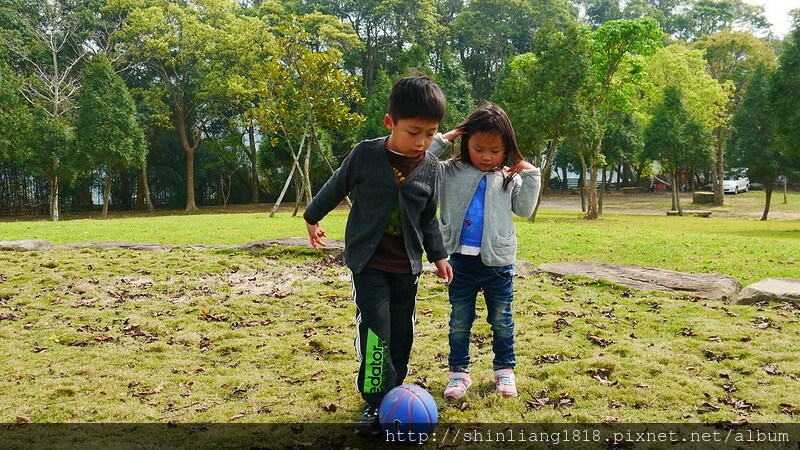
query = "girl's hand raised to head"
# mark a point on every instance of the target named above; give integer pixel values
(452, 134)
(520, 166)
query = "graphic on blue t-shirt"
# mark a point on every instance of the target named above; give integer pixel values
(472, 230)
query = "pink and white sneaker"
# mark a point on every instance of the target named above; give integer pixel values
(505, 382)
(458, 384)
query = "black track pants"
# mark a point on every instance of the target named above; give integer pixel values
(385, 318)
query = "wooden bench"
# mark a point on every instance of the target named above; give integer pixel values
(697, 213)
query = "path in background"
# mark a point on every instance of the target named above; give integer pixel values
(749, 205)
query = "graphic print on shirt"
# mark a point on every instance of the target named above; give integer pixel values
(472, 228)
(395, 227)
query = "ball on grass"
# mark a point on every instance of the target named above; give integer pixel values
(408, 414)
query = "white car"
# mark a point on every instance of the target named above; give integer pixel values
(735, 183)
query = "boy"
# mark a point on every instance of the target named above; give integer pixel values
(394, 186)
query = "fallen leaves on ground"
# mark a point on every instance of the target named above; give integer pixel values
(595, 339)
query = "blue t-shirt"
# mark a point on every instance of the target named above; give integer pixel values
(472, 229)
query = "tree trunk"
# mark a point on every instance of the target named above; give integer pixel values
(255, 186)
(295, 166)
(298, 191)
(582, 185)
(603, 182)
(768, 192)
(785, 183)
(146, 188)
(592, 212)
(139, 190)
(190, 203)
(53, 198)
(107, 194)
(283, 191)
(676, 192)
(719, 172)
(543, 187)
(564, 174)
(188, 149)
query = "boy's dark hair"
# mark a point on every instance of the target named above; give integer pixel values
(489, 118)
(416, 96)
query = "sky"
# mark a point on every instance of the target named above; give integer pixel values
(777, 13)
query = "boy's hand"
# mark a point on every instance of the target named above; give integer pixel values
(452, 134)
(443, 270)
(315, 232)
(520, 166)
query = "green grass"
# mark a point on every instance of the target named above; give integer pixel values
(93, 335)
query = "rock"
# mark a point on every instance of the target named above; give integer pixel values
(524, 268)
(771, 289)
(634, 190)
(141, 246)
(333, 249)
(690, 212)
(25, 245)
(705, 285)
(702, 198)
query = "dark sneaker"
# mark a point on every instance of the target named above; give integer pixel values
(369, 425)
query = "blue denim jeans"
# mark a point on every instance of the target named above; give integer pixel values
(470, 277)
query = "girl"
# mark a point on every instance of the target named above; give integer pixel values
(481, 186)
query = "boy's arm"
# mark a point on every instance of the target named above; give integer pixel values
(444, 270)
(329, 196)
(432, 237)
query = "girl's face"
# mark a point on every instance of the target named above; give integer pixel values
(486, 150)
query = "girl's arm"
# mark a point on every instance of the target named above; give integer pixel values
(525, 194)
(442, 140)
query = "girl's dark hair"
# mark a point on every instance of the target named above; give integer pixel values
(489, 118)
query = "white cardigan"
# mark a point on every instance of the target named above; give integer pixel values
(459, 181)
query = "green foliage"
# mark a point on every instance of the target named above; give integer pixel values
(14, 114)
(106, 128)
(707, 17)
(786, 106)
(543, 91)
(299, 87)
(752, 144)
(678, 65)
(488, 32)
(733, 56)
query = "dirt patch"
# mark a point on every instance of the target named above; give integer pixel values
(749, 205)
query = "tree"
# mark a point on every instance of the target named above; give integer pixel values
(489, 32)
(732, 57)
(300, 93)
(665, 12)
(707, 17)
(676, 139)
(106, 127)
(385, 28)
(787, 105)
(617, 51)
(752, 143)
(542, 93)
(187, 46)
(14, 114)
(49, 48)
(599, 12)
(707, 97)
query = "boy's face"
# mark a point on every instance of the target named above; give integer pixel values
(410, 137)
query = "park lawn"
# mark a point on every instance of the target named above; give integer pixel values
(107, 335)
